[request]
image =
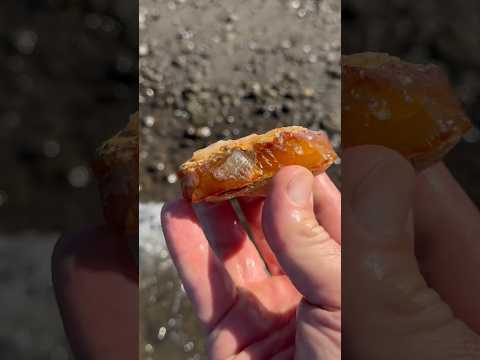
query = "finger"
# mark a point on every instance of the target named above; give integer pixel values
(231, 243)
(448, 232)
(307, 253)
(327, 205)
(252, 209)
(387, 301)
(257, 313)
(204, 277)
(97, 294)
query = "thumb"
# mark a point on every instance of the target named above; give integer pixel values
(306, 252)
(389, 311)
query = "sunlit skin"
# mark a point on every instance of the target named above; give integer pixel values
(247, 312)
(228, 167)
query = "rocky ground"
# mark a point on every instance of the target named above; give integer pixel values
(30, 323)
(168, 325)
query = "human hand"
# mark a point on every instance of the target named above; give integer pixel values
(247, 312)
(96, 285)
(411, 256)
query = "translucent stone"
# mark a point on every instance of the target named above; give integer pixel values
(232, 168)
(239, 165)
(407, 107)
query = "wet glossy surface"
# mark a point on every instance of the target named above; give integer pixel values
(245, 166)
(169, 328)
(407, 107)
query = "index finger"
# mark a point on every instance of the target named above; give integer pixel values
(204, 277)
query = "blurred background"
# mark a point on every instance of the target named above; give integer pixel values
(428, 31)
(212, 70)
(69, 73)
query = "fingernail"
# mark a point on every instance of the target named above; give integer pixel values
(383, 198)
(299, 188)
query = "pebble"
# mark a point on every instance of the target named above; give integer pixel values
(172, 178)
(143, 50)
(148, 121)
(204, 132)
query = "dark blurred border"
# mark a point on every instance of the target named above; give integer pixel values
(390, 269)
(69, 81)
(69, 73)
(439, 32)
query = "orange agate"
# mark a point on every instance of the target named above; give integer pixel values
(242, 167)
(407, 107)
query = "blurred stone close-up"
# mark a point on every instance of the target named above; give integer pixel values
(213, 70)
(444, 33)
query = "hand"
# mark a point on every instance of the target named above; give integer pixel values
(411, 259)
(249, 313)
(96, 284)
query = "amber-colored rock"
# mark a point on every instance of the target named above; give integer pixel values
(243, 167)
(116, 169)
(408, 107)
